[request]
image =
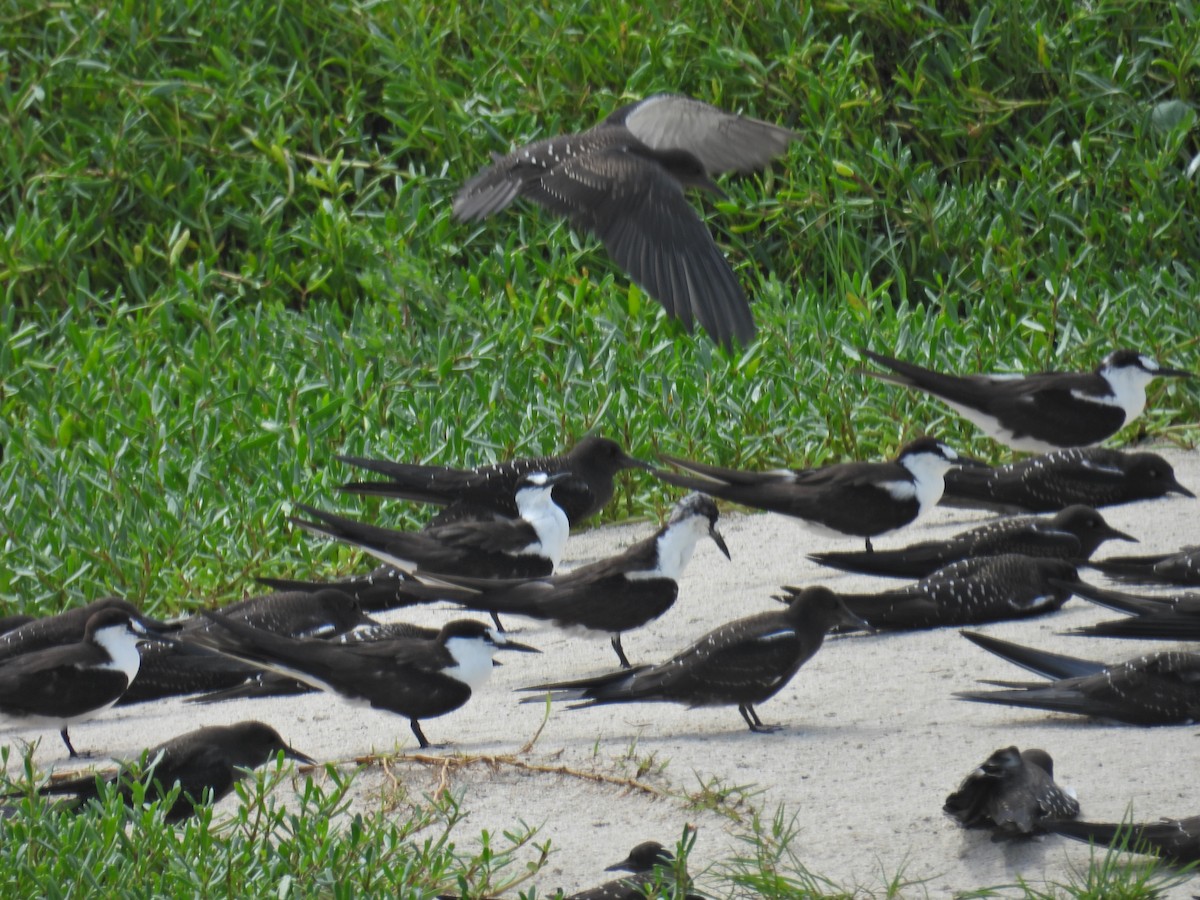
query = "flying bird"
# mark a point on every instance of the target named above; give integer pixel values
(624, 182)
(1042, 412)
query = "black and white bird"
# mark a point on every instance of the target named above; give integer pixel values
(1175, 840)
(1155, 689)
(73, 682)
(68, 627)
(176, 668)
(624, 181)
(1165, 618)
(526, 547)
(860, 499)
(1093, 476)
(1180, 567)
(414, 677)
(490, 491)
(1013, 792)
(652, 867)
(1073, 534)
(272, 684)
(968, 592)
(609, 596)
(205, 764)
(1046, 411)
(742, 663)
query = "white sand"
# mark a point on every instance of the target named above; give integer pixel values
(874, 740)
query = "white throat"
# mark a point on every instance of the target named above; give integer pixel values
(122, 647)
(1128, 386)
(928, 471)
(538, 508)
(675, 548)
(473, 660)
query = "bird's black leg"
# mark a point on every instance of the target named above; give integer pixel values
(756, 725)
(67, 740)
(416, 729)
(870, 549)
(496, 619)
(616, 645)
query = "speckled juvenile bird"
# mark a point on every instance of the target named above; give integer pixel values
(1180, 567)
(1013, 792)
(987, 589)
(1073, 534)
(1155, 689)
(1175, 840)
(652, 865)
(742, 663)
(624, 181)
(1094, 476)
(1151, 617)
(210, 759)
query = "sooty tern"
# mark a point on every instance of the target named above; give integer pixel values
(862, 499)
(1014, 792)
(624, 182)
(1046, 411)
(741, 663)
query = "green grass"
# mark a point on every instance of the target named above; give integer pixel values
(227, 253)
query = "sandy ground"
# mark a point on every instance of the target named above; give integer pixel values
(874, 739)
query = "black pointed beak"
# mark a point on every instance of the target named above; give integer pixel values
(850, 620)
(1111, 534)
(1165, 372)
(632, 462)
(625, 865)
(1180, 489)
(504, 643)
(293, 753)
(719, 541)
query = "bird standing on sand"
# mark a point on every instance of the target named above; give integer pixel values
(741, 663)
(862, 499)
(1045, 411)
(624, 182)
(73, 682)
(610, 596)
(417, 678)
